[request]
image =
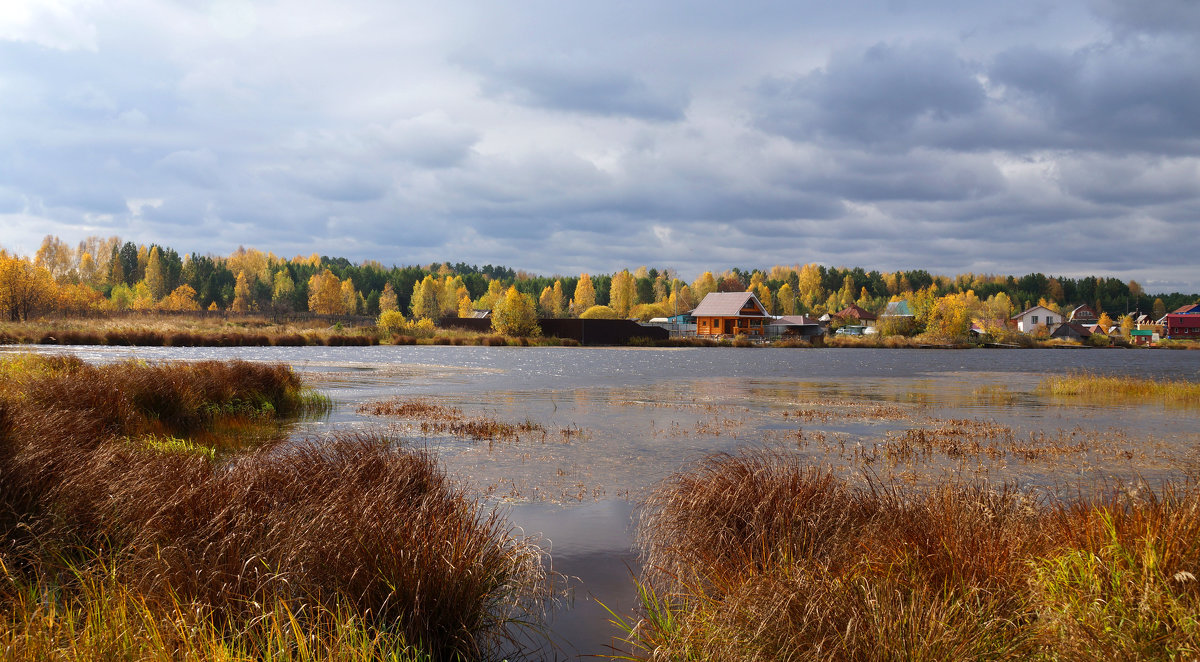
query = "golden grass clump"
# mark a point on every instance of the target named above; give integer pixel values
(1108, 388)
(756, 556)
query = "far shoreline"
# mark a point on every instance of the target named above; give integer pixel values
(264, 330)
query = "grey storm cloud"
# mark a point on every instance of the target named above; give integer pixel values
(874, 96)
(1132, 95)
(1182, 16)
(558, 137)
(562, 82)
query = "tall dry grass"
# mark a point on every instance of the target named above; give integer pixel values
(1106, 388)
(757, 556)
(182, 331)
(357, 527)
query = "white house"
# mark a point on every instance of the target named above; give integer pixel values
(1030, 320)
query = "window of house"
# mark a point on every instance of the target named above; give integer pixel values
(1035, 319)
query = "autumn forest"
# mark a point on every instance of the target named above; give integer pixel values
(108, 274)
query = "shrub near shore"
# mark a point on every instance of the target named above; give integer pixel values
(757, 556)
(118, 532)
(177, 331)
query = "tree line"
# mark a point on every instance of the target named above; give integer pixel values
(107, 274)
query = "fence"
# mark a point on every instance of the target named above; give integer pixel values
(587, 332)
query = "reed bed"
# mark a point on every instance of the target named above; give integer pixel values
(119, 529)
(183, 332)
(1109, 388)
(433, 419)
(757, 556)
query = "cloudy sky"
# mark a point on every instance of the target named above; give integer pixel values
(1060, 136)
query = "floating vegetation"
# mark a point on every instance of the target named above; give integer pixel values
(1121, 388)
(998, 394)
(433, 419)
(831, 410)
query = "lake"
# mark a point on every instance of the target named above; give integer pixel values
(601, 426)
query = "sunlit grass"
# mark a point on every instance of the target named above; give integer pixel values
(92, 615)
(168, 445)
(757, 556)
(1108, 388)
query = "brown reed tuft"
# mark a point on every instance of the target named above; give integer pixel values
(357, 522)
(757, 556)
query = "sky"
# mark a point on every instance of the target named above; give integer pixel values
(562, 136)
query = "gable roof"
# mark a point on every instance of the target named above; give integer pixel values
(1070, 330)
(1083, 312)
(729, 304)
(1190, 309)
(795, 320)
(1034, 309)
(898, 309)
(854, 310)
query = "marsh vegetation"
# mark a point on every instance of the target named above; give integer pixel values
(148, 513)
(925, 510)
(761, 556)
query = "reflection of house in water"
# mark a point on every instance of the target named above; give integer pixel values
(731, 313)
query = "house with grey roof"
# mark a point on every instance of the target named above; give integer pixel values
(795, 326)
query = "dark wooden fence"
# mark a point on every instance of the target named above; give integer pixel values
(587, 332)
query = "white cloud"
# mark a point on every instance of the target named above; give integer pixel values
(56, 24)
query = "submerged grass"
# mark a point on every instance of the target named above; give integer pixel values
(1109, 388)
(757, 556)
(122, 527)
(439, 419)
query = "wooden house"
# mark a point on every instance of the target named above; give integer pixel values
(731, 313)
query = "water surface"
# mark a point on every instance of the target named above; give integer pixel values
(614, 422)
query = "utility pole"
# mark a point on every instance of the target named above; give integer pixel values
(675, 303)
